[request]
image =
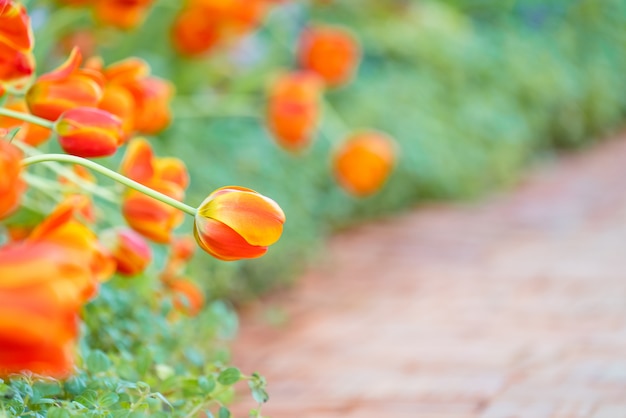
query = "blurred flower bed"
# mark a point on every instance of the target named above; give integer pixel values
(339, 110)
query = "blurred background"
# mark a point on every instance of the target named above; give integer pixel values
(470, 90)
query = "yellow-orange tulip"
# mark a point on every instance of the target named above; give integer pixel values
(11, 184)
(65, 88)
(234, 223)
(89, 132)
(363, 162)
(293, 109)
(332, 52)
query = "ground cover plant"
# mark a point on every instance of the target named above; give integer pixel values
(261, 120)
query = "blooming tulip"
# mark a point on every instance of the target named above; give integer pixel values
(65, 88)
(293, 109)
(363, 163)
(140, 100)
(17, 63)
(11, 184)
(89, 132)
(129, 249)
(234, 223)
(331, 52)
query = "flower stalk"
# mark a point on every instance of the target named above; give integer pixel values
(26, 117)
(63, 158)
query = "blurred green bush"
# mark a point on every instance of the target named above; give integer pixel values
(471, 90)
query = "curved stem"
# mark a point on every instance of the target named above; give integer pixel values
(112, 175)
(26, 117)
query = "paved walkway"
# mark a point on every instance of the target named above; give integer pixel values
(514, 307)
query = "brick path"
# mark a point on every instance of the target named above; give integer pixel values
(514, 307)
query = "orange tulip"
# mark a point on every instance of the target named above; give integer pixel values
(331, 52)
(123, 14)
(187, 296)
(140, 100)
(17, 63)
(293, 109)
(363, 163)
(29, 133)
(89, 132)
(38, 332)
(234, 223)
(11, 184)
(203, 24)
(129, 249)
(65, 88)
(153, 219)
(44, 279)
(181, 251)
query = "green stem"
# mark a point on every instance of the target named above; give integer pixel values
(26, 117)
(63, 158)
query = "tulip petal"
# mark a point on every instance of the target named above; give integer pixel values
(223, 242)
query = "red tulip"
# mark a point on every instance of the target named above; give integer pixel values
(89, 132)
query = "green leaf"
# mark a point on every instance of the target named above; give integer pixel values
(229, 376)
(260, 395)
(224, 412)
(206, 385)
(109, 399)
(98, 362)
(56, 412)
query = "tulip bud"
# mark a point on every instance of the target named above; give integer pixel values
(89, 132)
(331, 52)
(234, 223)
(129, 249)
(293, 109)
(11, 185)
(363, 163)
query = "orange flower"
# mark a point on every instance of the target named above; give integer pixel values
(293, 109)
(129, 249)
(44, 279)
(89, 132)
(331, 52)
(181, 251)
(38, 331)
(363, 163)
(187, 296)
(140, 100)
(11, 184)
(65, 88)
(75, 242)
(203, 24)
(234, 223)
(123, 14)
(17, 63)
(153, 219)
(29, 133)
